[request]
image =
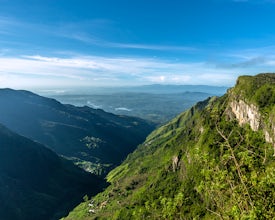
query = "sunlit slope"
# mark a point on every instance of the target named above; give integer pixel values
(214, 161)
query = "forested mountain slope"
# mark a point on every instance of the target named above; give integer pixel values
(35, 183)
(79, 133)
(214, 161)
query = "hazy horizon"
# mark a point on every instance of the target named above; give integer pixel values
(149, 88)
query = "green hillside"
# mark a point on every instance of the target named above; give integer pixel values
(35, 183)
(214, 161)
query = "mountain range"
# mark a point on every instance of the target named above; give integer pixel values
(92, 138)
(37, 137)
(151, 88)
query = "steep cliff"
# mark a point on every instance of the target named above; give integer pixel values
(252, 102)
(246, 114)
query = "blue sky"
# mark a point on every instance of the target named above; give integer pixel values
(59, 43)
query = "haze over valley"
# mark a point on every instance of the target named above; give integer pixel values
(155, 103)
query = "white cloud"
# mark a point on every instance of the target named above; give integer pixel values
(170, 79)
(94, 70)
(106, 70)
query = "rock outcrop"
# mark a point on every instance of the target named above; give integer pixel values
(246, 114)
(250, 114)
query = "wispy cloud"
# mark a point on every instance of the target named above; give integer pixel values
(151, 47)
(247, 63)
(78, 32)
(7, 25)
(22, 30)
(121, 70)
(85, 38)
(251, 59)
(95, 70)
(4, 21)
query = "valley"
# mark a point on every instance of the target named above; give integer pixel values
(137, 110)
(212, 161)
(92, 138)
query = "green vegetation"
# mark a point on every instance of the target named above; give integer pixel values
(201, 165)
(257, 89)
(265, 96)
(92, 142)
(98, 169)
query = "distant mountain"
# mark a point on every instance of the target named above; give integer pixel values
(158, 108)
(35, 183)
(157, 103)
(153, 89)
(168, 89)
(214, 161)
(79, 133)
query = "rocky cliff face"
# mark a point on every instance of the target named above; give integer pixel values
(250, 114)
(246, 114)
